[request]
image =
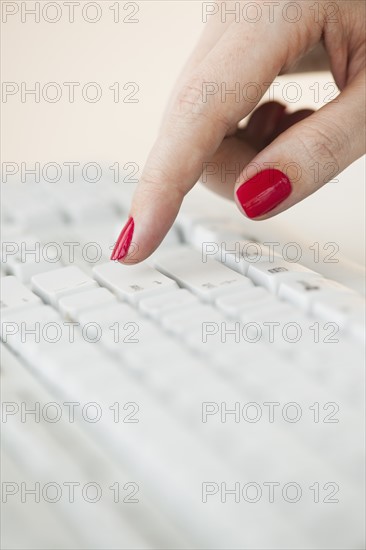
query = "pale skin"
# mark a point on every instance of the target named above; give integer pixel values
(196, 131)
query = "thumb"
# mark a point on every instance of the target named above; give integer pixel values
(306, 156)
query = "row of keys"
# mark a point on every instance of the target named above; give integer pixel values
(206, 279)
(210, 281)
(179, 312)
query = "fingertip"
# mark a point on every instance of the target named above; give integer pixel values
(123, 242)
(152, 215)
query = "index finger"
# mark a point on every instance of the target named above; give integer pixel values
(195, 127)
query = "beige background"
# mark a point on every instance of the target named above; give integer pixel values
(149, 53)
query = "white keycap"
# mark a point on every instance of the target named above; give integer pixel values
(241, 255)
(341, 308)
(120, 196)
(83, 246)
(272, 274)
(14, 295)
(29, 209)
(25, 271)
(133, 282)
(266, 311)
(206, 279)
(237, 254)
(217, 232)
(109, 314)
(135, 339)
(18, 244)
(65, 358)
(99, 233)
(193, 212)
(83, 202)
(142, 349)
(157, 306)
(233, 304)
(302, 292)
(191, 319)
(24, 329)
(226, 226)
(24, 256)
(277, 323)
(51, 286)
(71, 306)
(114, 324)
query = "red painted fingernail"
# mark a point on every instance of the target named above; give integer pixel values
(124, 240)
(263, 192)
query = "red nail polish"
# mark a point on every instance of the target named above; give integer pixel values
(263, 192)
(124, 240)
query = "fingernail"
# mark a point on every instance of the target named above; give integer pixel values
(263, 192)
(124, 240)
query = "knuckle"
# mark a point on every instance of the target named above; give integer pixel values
(192, 104)
(323, 144)
(190, 97)
(155, 185)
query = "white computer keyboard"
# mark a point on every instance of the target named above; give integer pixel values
(216, 391)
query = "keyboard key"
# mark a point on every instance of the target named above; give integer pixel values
(339, 307)
(206, 279)
(15, 296)
(183, 321)
(24, 271)
(302, 292)
(272, 274)
(217, 232)
(77, 247)
(277, 323)
(157, 306)
(238, 254)
(233, 304)
(266, 311)
(24, 331)
(71, 306)
(194, 212)
(114, 325)
(51, 286)
(30, 209)
(144, 354)
(132, 282)
(62, 355)
(109, 314)
(82, 202)
(23, 256)
(226, 226)
(18, 244)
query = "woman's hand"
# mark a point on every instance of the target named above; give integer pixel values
(276, 151)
